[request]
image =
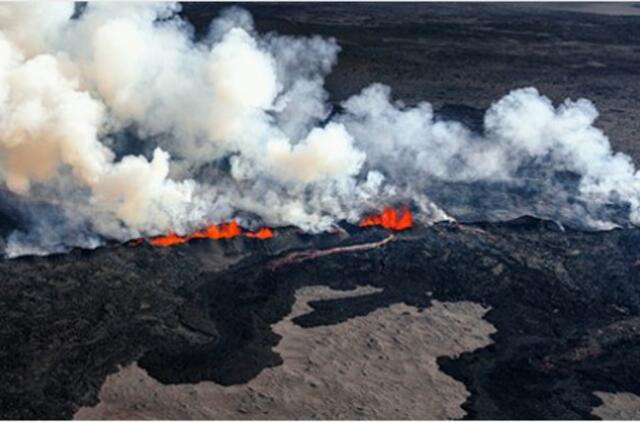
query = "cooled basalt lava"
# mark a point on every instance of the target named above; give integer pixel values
(566, 306)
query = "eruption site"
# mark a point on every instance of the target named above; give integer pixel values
(117, 122)
(214, 231)
(262, 249)
(389, 219)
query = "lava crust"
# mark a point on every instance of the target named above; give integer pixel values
(565, 304)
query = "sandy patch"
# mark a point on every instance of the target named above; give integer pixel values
(382, 365)
(617, 406)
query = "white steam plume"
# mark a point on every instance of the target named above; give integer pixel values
(238, 124)
(49, 127)
(522, 129)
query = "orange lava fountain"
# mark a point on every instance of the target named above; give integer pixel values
(261, 233)
(390, 219)
(215, 231)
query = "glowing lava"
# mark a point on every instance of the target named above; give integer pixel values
(215, 231)
(218, 231)
(390, 219)
(168, 240)
(261, 233)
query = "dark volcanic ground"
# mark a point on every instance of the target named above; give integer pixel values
(566, 307)
(566, 304)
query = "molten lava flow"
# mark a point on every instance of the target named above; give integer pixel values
(219, 231)
(168, 240)
(261, 233)
(215, 231)
(390, 219)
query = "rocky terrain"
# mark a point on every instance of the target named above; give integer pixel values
(521, 319)
(376, 366)
(564, 305)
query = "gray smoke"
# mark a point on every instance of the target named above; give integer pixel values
(238, 125)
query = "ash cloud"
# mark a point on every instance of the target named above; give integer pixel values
(238, 124)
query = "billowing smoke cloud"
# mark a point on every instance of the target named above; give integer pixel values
(50, 130)
(118, 119)
(526, 140)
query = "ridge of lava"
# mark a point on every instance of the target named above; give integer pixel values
(389, 218)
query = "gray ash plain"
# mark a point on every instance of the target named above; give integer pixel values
(565, 303)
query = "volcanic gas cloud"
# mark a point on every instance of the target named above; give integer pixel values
(236, 126)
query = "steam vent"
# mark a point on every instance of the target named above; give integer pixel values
(319, 211)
